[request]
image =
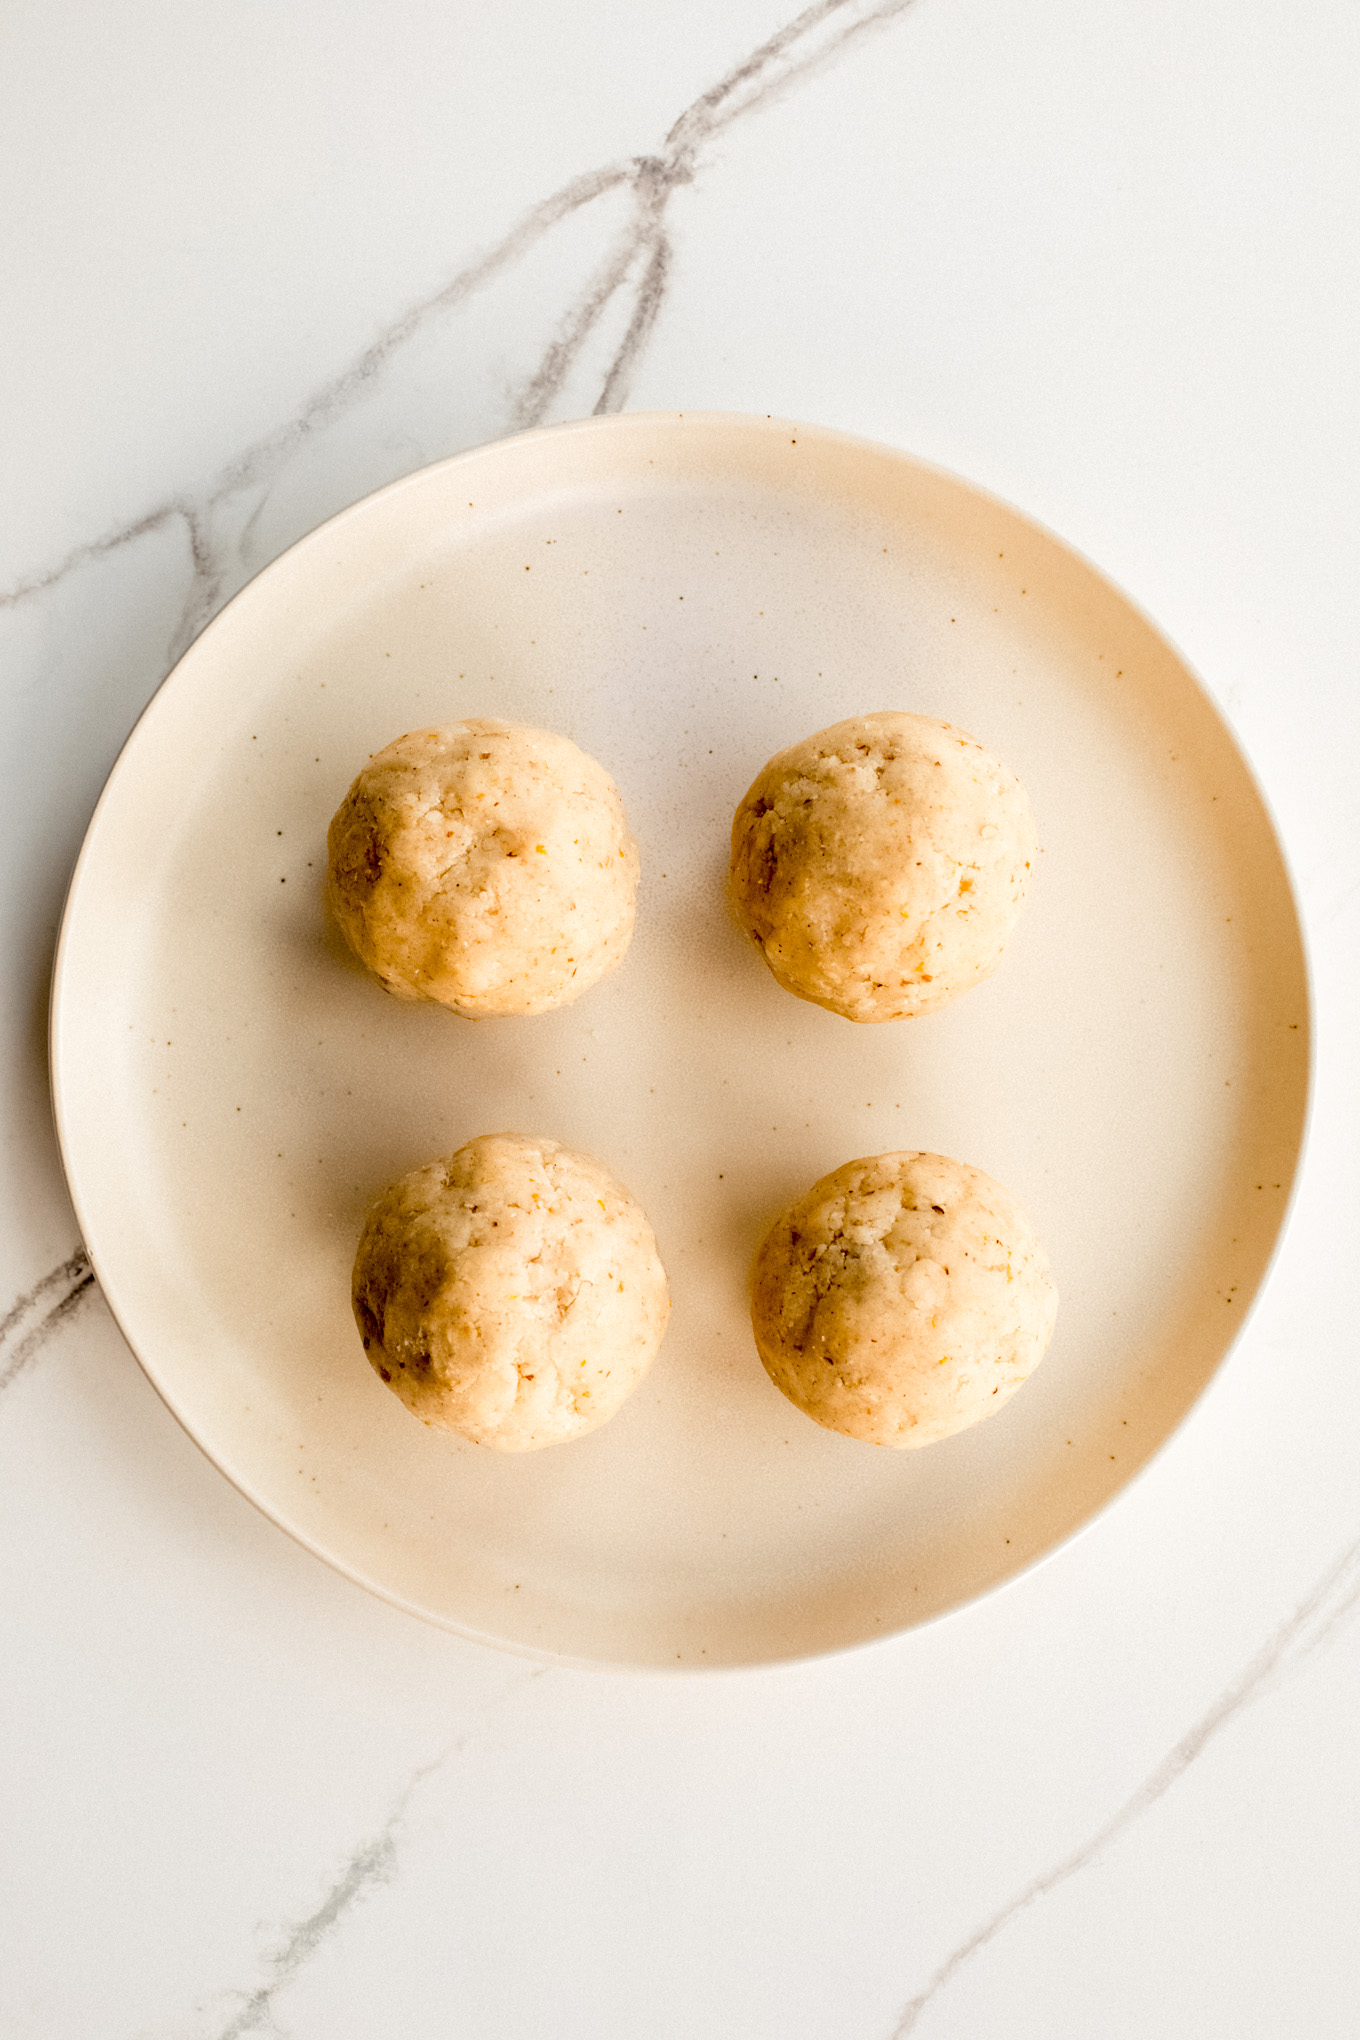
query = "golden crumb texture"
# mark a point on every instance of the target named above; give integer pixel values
(905, 1297)
(881, 864)
(513, 1293)
(484, 865)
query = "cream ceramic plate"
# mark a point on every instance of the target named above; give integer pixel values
(682, 596)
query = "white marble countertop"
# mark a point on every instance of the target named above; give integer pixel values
(1100, 259)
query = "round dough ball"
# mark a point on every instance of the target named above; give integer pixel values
(880, 865)
(903, 1298)
(512, 1293)
(486, 866)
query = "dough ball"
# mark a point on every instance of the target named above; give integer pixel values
(881, 864)
(486, 866)
(903, 1298)
(512, 1293)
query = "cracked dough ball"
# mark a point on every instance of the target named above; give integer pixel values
(880, 865)
(512, 1293)
(903, 1298)
(485, 866)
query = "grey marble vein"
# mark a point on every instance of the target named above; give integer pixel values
(640, 260)
(651, 292)
(372, 1863)
(642, 254)
(767, 73)
(1328, 1604)
(40, 1312)
(266, 457)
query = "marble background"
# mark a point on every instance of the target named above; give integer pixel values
(261, 258)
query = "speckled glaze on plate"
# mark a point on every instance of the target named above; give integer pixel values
(682, 595)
